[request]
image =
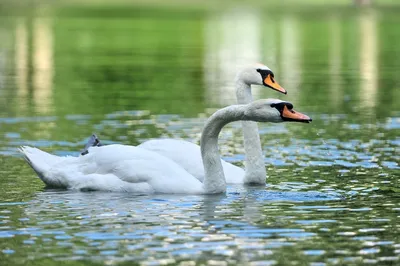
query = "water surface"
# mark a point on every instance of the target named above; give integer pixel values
(131, 74)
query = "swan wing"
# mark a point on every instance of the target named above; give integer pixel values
(120, 168)
(188, 156)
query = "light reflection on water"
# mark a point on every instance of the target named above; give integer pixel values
(371, 152)
(299, 209)
(331, 194)
(244, 225)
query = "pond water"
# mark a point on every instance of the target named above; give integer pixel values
(132, 74)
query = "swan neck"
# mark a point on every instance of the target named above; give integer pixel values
(255, 172)
(243, 92)
(214, 179)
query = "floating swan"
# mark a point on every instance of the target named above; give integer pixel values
(134, 169)
(188, 155)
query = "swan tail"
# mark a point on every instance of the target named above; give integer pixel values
(41, 162)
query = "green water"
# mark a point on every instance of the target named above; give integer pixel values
(131, 74)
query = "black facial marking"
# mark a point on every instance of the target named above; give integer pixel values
(264, 73)
(280, 106)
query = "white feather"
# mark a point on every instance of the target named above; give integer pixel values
(188, 155)
(133, 169)
(113, 168)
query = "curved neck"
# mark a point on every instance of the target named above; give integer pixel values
(254, 161)
(214, 179)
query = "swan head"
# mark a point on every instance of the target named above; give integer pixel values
(259, 74)
(274, 110)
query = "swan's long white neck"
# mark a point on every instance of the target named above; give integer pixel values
(214, 179)
(254, 162)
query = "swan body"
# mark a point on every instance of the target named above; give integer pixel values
(127, 168)
(115, 167)
(187, 154)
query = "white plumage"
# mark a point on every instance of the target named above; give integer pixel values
(188, 155)
(113, 168)
(127, 168)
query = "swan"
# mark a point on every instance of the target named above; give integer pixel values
(125, 168)
(188, 154)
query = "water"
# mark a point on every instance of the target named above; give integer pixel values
(132, 74)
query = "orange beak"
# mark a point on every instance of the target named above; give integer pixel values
(292, 115)
(270, 82)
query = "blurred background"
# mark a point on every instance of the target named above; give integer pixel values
(135, 70)
(64, 62)
(71, 60)
(91, 57)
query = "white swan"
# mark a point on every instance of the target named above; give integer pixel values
(188, 155)
(133, 169)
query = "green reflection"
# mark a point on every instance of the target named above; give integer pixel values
(82, 61)
(339, 65)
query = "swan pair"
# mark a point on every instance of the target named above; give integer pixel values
(174, 166)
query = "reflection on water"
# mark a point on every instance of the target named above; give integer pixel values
(42, 64)
(232, 41)
(370, 151)
(335, 60)
(166, 228)
(368, 59)
(290, 59)
(331, 196)
(38, 48)
(241, 36)
(21, 58)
